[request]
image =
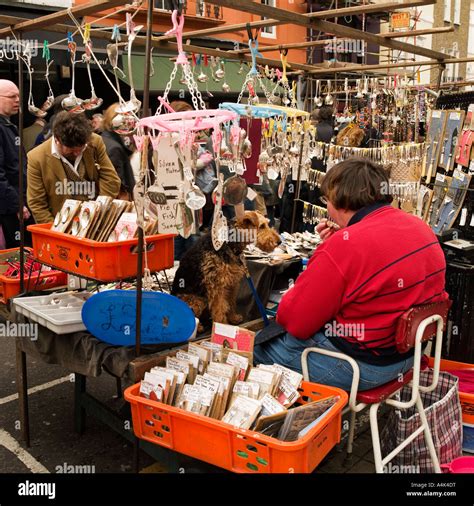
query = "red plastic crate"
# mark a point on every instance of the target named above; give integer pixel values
(467, 400)
(10, 287)
(103, 261)
(237, 450)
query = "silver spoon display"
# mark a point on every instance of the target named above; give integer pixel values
(72, 103)
(94, 102)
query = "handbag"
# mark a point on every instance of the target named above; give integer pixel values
(443, 412)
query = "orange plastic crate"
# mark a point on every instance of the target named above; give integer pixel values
(237, 450)
(103, 261)
(10, 287)
(467, 400)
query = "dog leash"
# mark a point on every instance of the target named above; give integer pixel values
(259, 303)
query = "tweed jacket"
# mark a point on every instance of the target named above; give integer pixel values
(46, 174)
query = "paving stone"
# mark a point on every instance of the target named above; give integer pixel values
(363, 466)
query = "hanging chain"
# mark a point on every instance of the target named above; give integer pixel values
(167, 89)
(193, 88)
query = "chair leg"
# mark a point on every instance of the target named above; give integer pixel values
(350, 441)
(428, 436)
(374, 429)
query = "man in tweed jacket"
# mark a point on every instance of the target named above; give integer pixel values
(73, 163)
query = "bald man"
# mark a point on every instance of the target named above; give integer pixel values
(9, 164)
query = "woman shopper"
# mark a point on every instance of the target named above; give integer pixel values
(118, 153)
(377, 264)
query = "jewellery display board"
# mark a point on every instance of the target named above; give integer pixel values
(449, 140)
(435, 134)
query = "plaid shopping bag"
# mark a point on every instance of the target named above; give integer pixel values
(443, 412)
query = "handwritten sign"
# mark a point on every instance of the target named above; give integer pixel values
(169, 175)
(111, 317)
(400, 20)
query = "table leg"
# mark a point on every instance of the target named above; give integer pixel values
(118, 382)
(22, 384)
(79, 410)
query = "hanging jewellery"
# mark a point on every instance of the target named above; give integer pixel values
(94, 102)
(50, 98)
(26, 57)
(318, 102)
(225, 86)
(133, 105)
(329, 99)
(71, 103)
(202, 77)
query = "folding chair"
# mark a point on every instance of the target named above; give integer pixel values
(416, 326)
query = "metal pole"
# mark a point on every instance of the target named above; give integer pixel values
(298, 184)
(20, 175)
(146, 106)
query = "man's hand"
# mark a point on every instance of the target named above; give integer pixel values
(326, 229)
(26, 213)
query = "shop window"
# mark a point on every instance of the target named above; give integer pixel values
(161, 5)
(268, 31)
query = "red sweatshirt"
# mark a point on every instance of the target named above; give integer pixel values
(360, 280)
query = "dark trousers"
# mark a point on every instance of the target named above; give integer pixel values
(11, 230)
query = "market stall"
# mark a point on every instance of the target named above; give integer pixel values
(184, 334)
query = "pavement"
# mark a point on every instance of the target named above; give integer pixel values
(56, 447)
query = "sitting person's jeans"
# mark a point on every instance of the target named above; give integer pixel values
(287, 350)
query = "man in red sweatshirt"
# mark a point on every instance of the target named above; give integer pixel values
(376, 264)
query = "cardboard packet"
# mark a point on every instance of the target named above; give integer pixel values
(179, 382)
(103, 206)
(151, 391)
(268, 380)
(270, 406)
(196, 399)
(295, 378)
(193, 361)
(246, 389)
(213, 386)
(226, 384)
(68, 211)
(125, 228)
(287, 394)
(243, 412)
(233, 337)
(216, 350)
(178, 365)
(240, 363)
(203, 354)
(165, 381)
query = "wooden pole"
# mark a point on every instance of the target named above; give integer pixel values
(326, 14)
(325, 26)
(380, 66)
(391, 35)
(51, 19)
(415, 33)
